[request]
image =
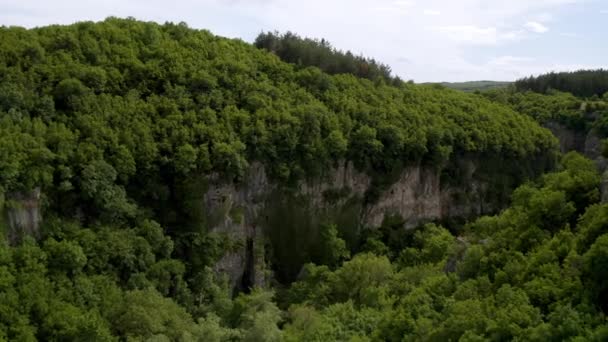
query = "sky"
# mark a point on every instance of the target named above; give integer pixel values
(422, 40)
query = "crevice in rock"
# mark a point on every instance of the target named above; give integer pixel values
(248, 279)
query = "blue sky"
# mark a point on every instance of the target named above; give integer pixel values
(423, 40)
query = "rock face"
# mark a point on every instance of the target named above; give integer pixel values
(233, 211)
(604, 187)
(569, 139)
(255, 208)
(22, 214)
(587, 143)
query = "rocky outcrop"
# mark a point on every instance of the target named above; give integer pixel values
(604, 187)
(22, 215)
(588, 143)
(569, 139)
(593, 150)
(251, 210)
(231, 210)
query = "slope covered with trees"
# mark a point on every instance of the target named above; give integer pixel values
(553, 106)
(141, 96)
(536, 272)
(472, 86)
(579, 114)
(583, 83)
(305, 52)
(117, 123)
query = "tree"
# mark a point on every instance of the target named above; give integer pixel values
(98, 186)
(332, 249)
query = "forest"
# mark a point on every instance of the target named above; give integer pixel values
(583, 83)
(118, 123)
(305, 52)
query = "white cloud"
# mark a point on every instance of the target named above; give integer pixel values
(473, 35)
(509, 60)
(545, 17)
(431, 12)
(400, 7)
(511, 36)
(536, 27)
(470, 34)
(404, 3)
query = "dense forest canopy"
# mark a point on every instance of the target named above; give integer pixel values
(136, 99)
(304, 52)
(580, 114)
(472, 86)
(583, 83)
(118, 122)
(536, 272)
(553, 106)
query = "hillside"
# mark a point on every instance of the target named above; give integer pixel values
(159, 182)
(305, 52)
(472, 86)
(583, 83)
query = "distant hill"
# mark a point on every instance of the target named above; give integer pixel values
(472, 86)
(583, 83)
(305, 52)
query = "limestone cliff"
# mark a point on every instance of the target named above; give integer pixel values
(261, 214)
(585, 141)
(270, 223)
(22, 215)
(588, 143)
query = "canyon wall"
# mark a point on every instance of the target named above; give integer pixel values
(260, 214)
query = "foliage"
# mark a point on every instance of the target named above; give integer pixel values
(472, 86)
(117, 122)
(584, 83)
(521, 275)
(107, 115)
(305, 52)
(556, 106)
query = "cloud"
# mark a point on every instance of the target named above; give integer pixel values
(431, 12)
(470, 34)
(536, 27)
(396, 7)
(509, 60)
(509, 68)
(545, 17)
(474, 35)
(404, 3)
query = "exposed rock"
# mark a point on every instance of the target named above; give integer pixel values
(569, 139)
(604, 187)
(588, 143)
(233, 210)
(22, 212)
(240, 210)
(452, 263)
(593, 145)
(416, 197)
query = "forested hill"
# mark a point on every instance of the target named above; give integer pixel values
(472, 86)
(304, 52)
(146, 100)
(114, 130)
(583, 83)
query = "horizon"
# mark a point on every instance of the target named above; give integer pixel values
(427, 42)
